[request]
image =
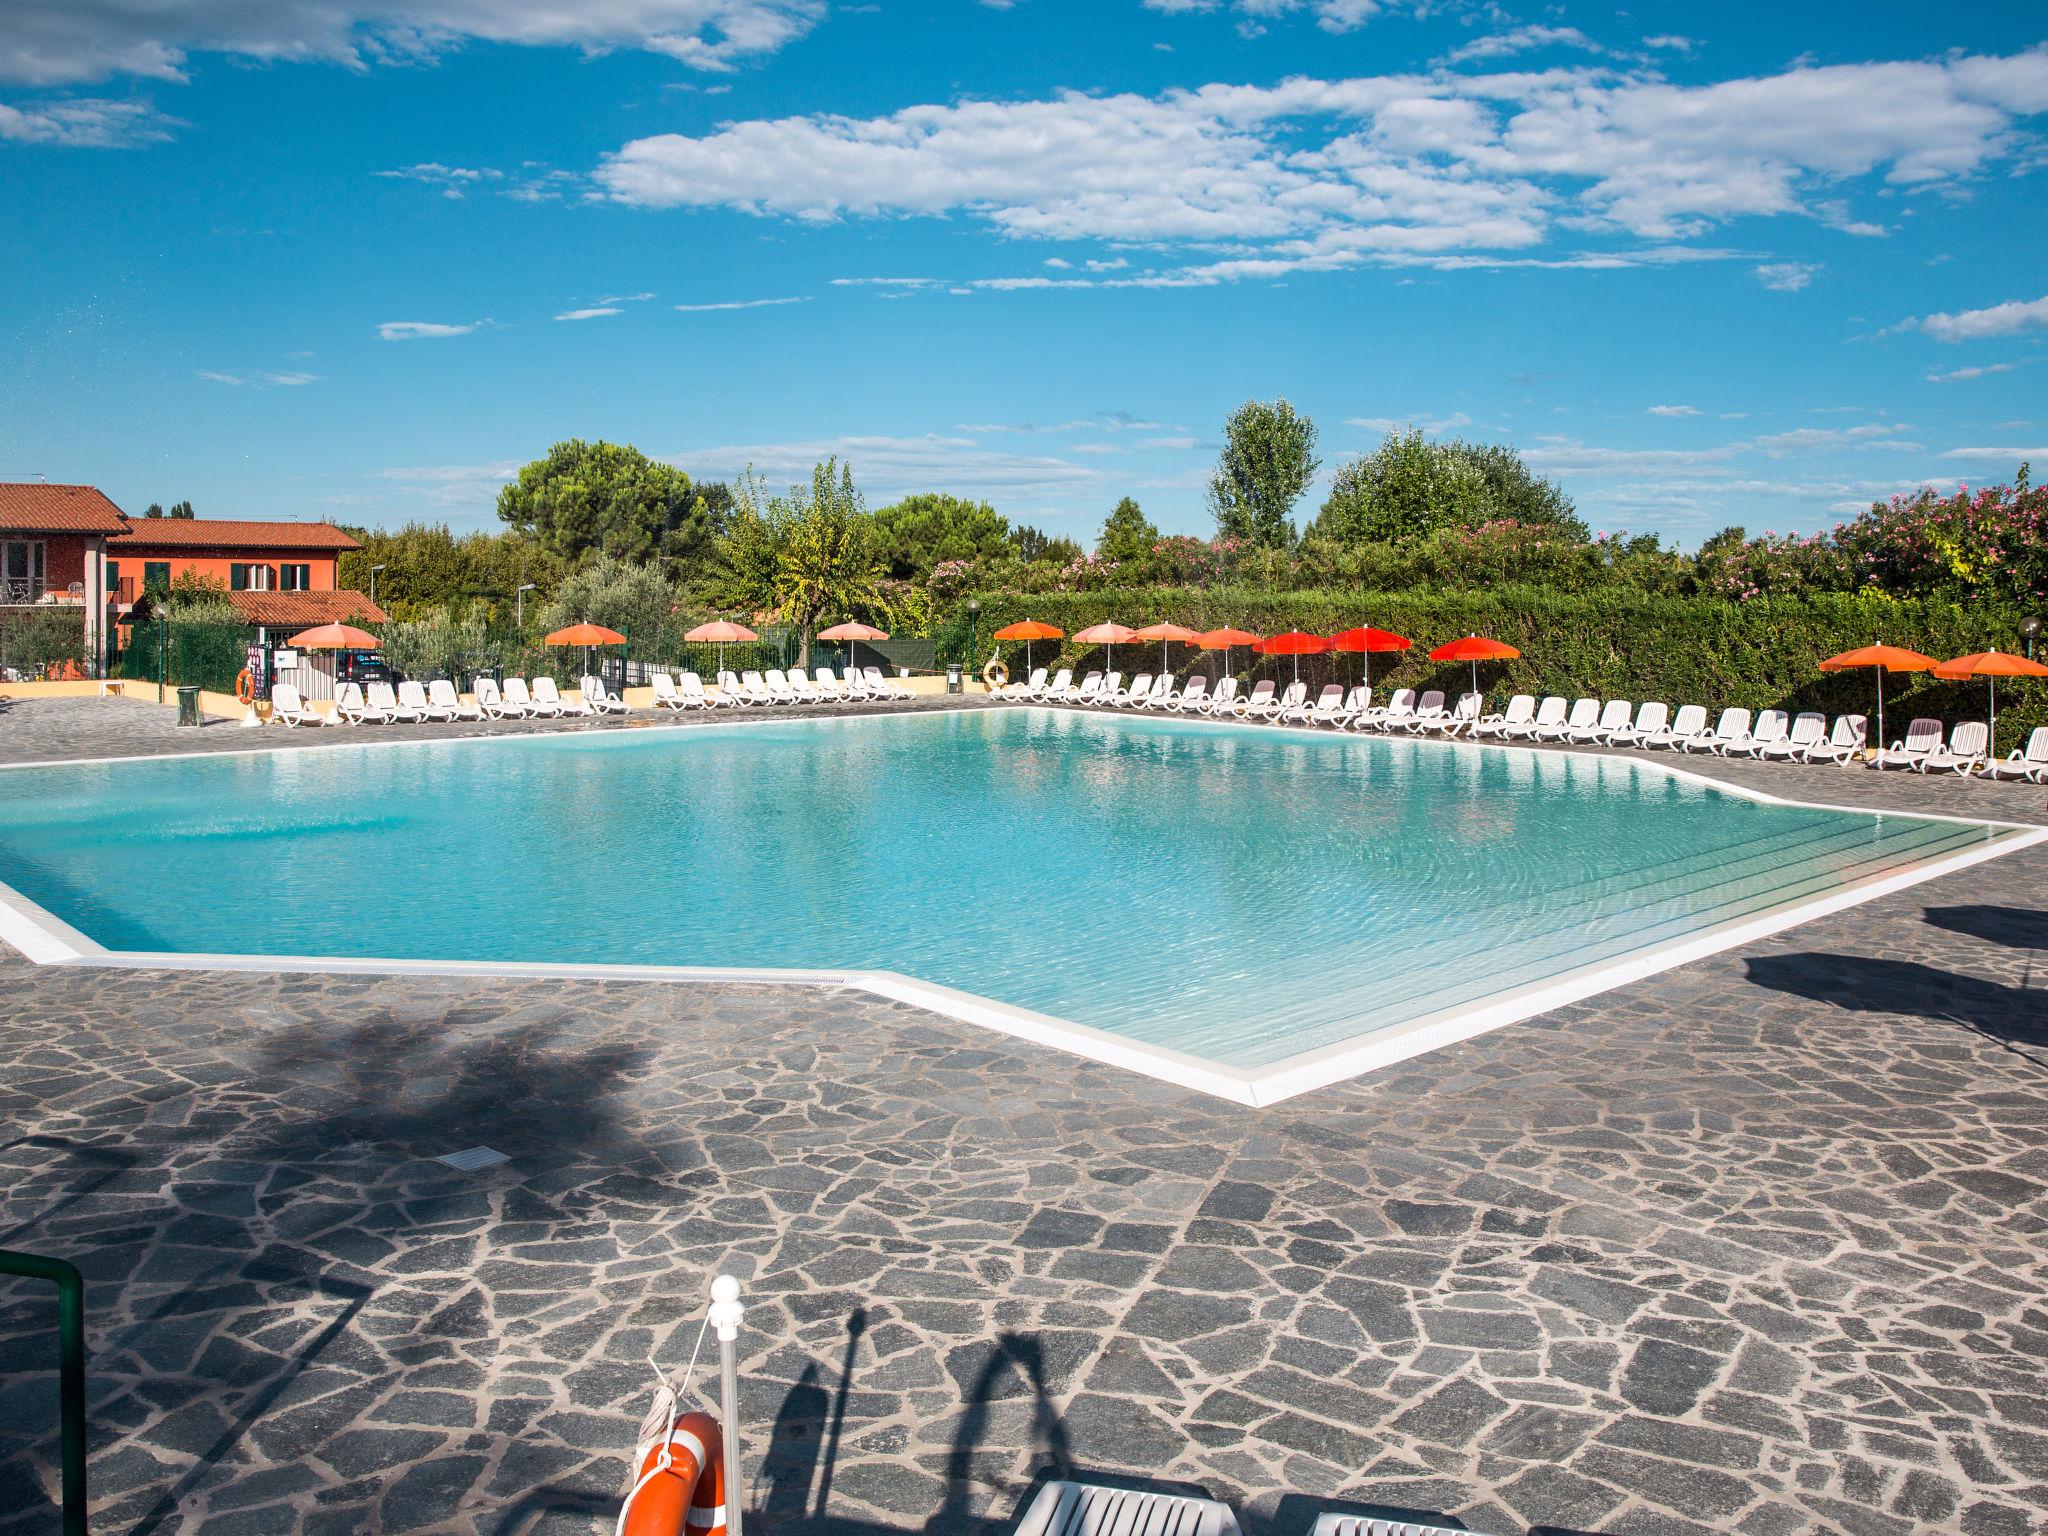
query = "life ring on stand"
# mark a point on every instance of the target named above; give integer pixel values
(995, 674)
(680, 1483)
(245, 687)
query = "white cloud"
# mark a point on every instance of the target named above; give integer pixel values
(1998, 320)
(1786, 276)
(1173, 444)
(455, 485)
(221, 378)
(1500, 45)
(1959, 375)
(1443, 170)
(887, 467)
(595, 312)
(86, 123)
(1675, 410)
(423, 330)
(1330, 15)
(262, 380)
(699, 309)
(64, 42)
(2012, 454)
(1435, 427)
(1671, 42)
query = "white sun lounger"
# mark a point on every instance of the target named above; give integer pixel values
(1292, 698)
(1521, 711)
(1429, 709)
(1549, 716)
(1024, 688)
(1062, 683)
(1732, 726)
(754, 690)
(1356, 700)
(516, 692)
(1106, 687)
(546, 696)
(413, 697)
(1222, 699)
(1302, 712)
(1399, 706)
(1691, 721)
(1140, 686)
(778, 686)
(1964, 754)
(1257, 704)
(349, 707)
(1771, 725)
(382, 699)
(805, 690)
(1090, 1509)
(2029, 763)
(692, 690)
(1649, 720)
(289, 710)
(1461, 716)
(600, 698)
(442, 693)
(1922, 737)
(883, 686)
(1615, 715)
(492, 701)
(1191, 698)
(1808, 729)
(1584, 716)
(1164, 695)
(665, 693)
(1845, 742)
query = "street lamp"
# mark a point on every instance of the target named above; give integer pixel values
(519, 606)
(2030, 628)
(373, 584)
(974, 631)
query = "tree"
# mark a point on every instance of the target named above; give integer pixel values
(181, 509)
(1034, 546)
(633, 599)
(1268, 460)
(1126, 534)
(427, 567)
(919, 531)
(586, 497)
(1411, 486)
(155, 509)
(802, 556)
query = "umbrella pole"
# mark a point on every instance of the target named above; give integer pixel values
(1880, 707)
(1991, 749)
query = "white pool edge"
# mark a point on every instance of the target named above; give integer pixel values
(46, 939)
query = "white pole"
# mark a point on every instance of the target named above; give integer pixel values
(725, 1315)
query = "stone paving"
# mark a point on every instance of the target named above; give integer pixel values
(1756, 1245)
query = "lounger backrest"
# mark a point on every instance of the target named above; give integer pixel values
(1520, 708)
(1615, 716)
(284, 698)
(693, 686)
(1226, 690)
(1468, 706)
(592, 689)
(1262, 690)
(2037, 746)
(1653, 716)
(485, 689)
(1771, 725)
(1360, 698)
(1107, 684)
(1296, 692)
(1331, 696)
(1141, 684)
(1584, 712)
(663, 685)
(1733, 722)
(441, 691)
(1551, 711)
(1197, 687)
(1850, 731)
(544, 689)
(1923, 735)
(1037, 678)
(515, 691)
(380, 696)
(1691, 721)
(1808, 728)
(412, 693)
(1967, 739)
(1062, 678)
(1432, 702)
(774, 679)
(1403, 702)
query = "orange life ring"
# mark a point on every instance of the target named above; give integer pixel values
(245, 686)
(680, 1483)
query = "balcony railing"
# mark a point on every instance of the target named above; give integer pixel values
(21, 592)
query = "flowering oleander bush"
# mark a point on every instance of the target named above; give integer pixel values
(1992, 542)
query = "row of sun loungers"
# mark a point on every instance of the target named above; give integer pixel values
(746, 690)
(413, 703)
(1769, 735)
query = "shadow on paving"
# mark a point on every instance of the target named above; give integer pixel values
(2012, 1016)
(2014, 927)
(189, 1306)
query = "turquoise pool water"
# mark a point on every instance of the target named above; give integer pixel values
(1238, 894)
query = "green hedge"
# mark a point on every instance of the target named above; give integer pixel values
(1763, 653)
(190, 655)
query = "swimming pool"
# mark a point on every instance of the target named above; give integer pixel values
(1240, 898)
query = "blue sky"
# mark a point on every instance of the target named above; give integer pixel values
(1706, 263)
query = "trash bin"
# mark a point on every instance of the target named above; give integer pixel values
(188, 706)
(952, 677)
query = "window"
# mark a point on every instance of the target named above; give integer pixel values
(21, 570)
(156, 577)
(248, 578)
(295, 578)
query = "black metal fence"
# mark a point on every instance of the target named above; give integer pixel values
(184, 655)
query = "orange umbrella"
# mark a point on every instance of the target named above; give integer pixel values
(1475, 649)
(1029, 630)
(1223, 639)
(1293, 643)
(1880, 659)
(1163, 633)
(585, 634)
(333, 637)
(1365, 640)
(1991, 666)
(851, 631)
(1109, 634)
(718, 632)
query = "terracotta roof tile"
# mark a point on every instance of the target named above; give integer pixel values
(37, 508)
(228, 533)
(298, 610)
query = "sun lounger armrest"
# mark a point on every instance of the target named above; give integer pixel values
(1090, 1509)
